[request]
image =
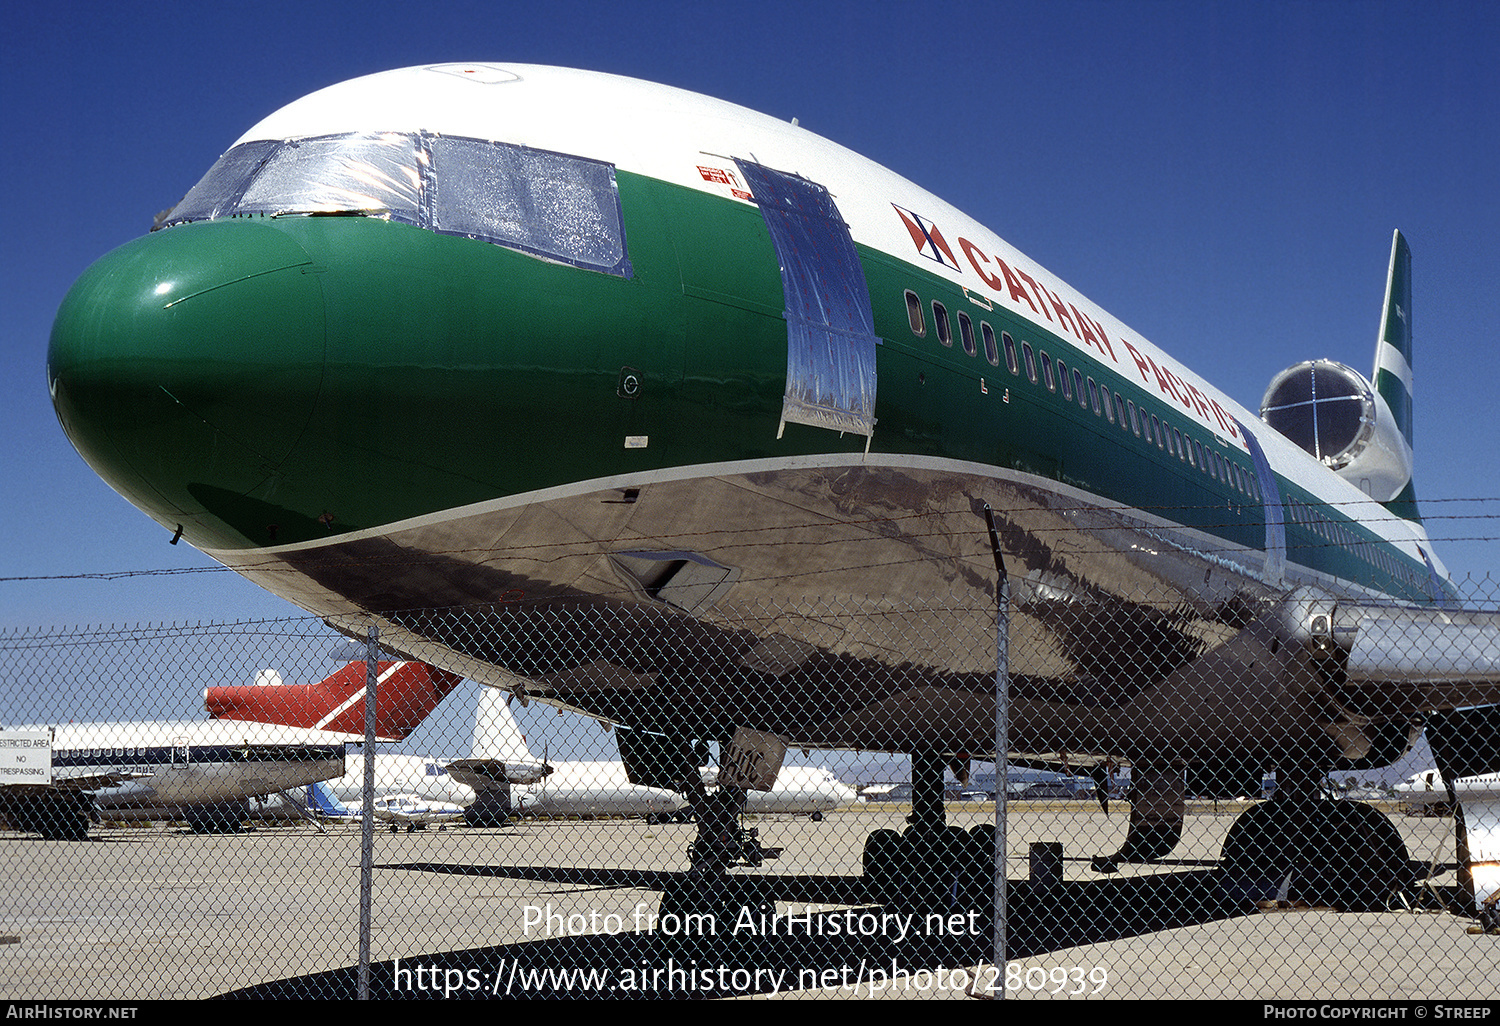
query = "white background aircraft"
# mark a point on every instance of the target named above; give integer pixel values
(1428, 787)
(202, 770)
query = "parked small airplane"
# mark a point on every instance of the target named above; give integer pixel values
(416, 811)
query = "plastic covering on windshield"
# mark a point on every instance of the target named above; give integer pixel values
(558, 206)
(561, 207)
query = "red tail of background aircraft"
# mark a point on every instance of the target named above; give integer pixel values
(406, 693)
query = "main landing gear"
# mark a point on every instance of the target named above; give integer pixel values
(930, 865)
(1157, 807)
(1304, 849)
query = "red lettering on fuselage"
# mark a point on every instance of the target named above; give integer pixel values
(1061, 309)
(1140, 361)
(1014, 286)
(1036, 291)
(1021, 287)
(975, 254)
(1096, 335)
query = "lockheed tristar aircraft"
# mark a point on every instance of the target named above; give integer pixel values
(576, 366)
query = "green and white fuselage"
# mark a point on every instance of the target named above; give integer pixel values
(531, 338)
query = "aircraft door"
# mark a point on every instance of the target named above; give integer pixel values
(830, 374)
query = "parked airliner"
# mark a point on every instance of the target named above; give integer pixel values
(625, 360)
(1428, 788)
(199, 770)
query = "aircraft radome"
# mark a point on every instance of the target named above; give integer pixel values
(623, 358)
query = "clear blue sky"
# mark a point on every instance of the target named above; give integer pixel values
(1224, 177)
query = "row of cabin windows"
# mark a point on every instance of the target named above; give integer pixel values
(1084, 390)
(1075, 386)
(1336, 534)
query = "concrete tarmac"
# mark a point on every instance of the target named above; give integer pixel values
(573, 909)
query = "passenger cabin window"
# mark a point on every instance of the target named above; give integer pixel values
(914, 314)
(560, 207)
(940, 322)
(1030, 362)
(990, 352)
(1067, 382)
(966, 333)
(1010, 352)
(1047, 371)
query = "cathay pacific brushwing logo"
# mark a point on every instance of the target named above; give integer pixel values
(926, 237)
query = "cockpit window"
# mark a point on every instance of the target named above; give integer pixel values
(341, 174)
(216, 194)
(552, 205)
(563, 207)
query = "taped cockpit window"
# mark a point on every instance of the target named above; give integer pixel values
(217, 192)
(557, 206)
(370, 174)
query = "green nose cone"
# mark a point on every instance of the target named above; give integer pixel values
(184, 367)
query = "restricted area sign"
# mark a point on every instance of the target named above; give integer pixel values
(25, 757)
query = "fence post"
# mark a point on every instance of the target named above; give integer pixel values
(367, 822)
(1002, 742)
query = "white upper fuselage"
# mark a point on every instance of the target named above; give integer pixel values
(687, 139)
(798, 790)
(1427, 787)
(594, 789)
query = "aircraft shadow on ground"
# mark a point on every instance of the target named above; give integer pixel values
(723, 944)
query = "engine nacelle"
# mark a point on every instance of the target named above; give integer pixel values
(1334, 413)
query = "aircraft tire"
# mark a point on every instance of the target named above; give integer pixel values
(227, 818)
(60, 819)
(1341, 854)
(976, 869)
(927, 862)
(879, 862)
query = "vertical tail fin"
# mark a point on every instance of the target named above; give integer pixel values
(321, 800)
(496, 733)
(406, 693)
(1393, 356)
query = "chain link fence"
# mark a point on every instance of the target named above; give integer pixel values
(570, 800)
